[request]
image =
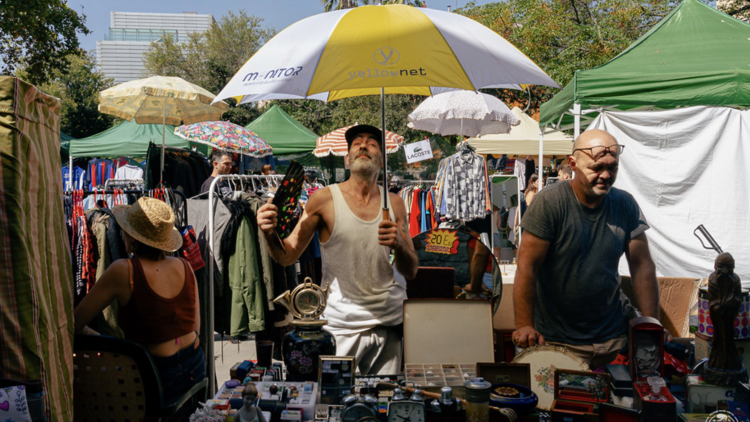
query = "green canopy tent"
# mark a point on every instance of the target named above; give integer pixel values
(696, 55)
(65, 146)
(128, 139)
(282, 132)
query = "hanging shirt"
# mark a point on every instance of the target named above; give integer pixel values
(520, 172)
(98, 172)
(465, 187)
(79, 178)
(129, 172)
(414, 227)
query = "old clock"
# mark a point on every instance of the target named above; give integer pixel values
(357, 408)
(411, 410)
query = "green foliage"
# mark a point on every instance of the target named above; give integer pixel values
(78, 89)
(210, 59)
(41, 34)
(329, 5)
(562, 36)
(739, 9)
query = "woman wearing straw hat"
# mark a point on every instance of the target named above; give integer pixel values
(157, 294)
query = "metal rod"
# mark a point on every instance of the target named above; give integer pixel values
(714, 245)
(163, 138)
(382, 147)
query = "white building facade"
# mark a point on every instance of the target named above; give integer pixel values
(120, 54)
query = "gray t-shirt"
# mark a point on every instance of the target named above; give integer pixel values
(578, 288)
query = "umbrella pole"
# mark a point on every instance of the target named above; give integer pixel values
(163, 137)
(385, 160)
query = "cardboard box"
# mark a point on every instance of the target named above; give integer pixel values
(676, 296)
(505, 317)
(435, 331)
(703, 348)
(703, 397)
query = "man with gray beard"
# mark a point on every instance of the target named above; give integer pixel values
(365, 302)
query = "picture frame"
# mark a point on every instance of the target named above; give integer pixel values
(335, 379)
(544, 361)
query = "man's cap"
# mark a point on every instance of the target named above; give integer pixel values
(353, 131)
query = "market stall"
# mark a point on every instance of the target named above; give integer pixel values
(284, 134)
(525, 140)
(677, 99)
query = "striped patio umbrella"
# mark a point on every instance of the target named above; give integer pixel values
(335, 143)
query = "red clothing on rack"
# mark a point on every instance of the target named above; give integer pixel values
(414, 214)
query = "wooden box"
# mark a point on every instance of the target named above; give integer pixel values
(513, 373)
(578, 394)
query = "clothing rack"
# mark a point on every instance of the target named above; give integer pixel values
(209, 347)
(126, 182)
(126, 192)
(419, 182)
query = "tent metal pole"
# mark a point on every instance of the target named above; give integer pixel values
(70, 171)
(577, 120)
(541, 158)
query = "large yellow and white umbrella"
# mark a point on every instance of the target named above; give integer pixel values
(161, 99)
(391, 49)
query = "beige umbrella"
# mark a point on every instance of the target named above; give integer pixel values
(161, 99)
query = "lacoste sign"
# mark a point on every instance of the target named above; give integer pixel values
(418, 151)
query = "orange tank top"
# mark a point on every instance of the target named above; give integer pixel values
(149, 318)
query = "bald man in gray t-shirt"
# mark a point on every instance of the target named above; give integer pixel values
(567, 289)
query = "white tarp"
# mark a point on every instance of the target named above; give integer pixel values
(686, 167)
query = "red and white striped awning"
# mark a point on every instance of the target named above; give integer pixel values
(335, 143)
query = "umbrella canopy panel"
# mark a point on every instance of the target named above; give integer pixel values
(284, 134)
(225, 136)
(404, 49)
(335, 143)
(466, 113)
(126, 139)
(161, 99)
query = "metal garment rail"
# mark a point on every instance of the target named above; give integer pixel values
(211, 368)
(123, 192)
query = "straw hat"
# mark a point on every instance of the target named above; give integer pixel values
(151, 222)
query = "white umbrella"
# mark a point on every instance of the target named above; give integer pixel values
(465, 113)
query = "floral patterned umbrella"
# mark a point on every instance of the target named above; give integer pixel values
(225, 136)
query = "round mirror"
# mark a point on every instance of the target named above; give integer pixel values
(452, 259)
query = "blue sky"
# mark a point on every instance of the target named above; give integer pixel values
(276, 13)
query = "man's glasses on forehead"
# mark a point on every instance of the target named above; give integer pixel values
(598, 152)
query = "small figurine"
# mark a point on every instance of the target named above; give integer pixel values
(249, 412)
(724, 296)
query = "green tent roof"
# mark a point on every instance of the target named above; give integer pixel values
(65, 145)
(282, 132)
(696, 55)
(127, 139)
